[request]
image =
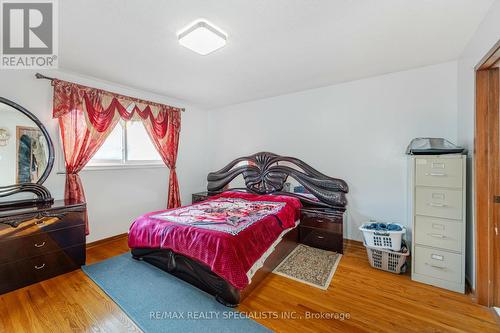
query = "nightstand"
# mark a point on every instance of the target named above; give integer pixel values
(200, 196)
(322, 228)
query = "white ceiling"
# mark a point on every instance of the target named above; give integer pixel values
(274, 46)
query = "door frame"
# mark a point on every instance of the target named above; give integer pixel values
(485, 180)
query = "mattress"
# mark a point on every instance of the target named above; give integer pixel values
(232, 233)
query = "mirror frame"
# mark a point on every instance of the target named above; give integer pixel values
(51, 158)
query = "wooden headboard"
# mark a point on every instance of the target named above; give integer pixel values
(266, 173)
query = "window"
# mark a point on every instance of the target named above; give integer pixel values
(127, 145)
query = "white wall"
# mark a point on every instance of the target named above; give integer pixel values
(357, 131)
(483, 40)
(116, 197)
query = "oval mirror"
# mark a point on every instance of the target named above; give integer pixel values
(26, 150)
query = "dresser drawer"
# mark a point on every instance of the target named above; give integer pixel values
(331, 223)
(321, 239)
(441, 172)
(24, 272)
(30, 224)
(438, 264)
(441, 233)
(439, 202)
(40, 243)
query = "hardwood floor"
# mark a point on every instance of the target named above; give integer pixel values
(375, 301)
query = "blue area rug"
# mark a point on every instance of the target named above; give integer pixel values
(159, 302)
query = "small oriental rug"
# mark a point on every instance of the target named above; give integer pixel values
(310, 265)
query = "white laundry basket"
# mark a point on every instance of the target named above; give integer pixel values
(387, 260)
(385, 239)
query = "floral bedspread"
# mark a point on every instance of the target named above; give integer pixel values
(230, 215)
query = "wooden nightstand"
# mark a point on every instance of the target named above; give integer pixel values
(322, 228)
(200, 196)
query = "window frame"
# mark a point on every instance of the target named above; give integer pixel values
(123, 163)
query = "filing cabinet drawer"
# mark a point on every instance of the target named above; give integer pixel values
(438, 264)
(440, 233)
(437, 202)
(440, 172)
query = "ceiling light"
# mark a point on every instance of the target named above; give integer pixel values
(202, 37)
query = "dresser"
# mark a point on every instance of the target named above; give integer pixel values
(322, 228)
(437, 185)
(200, 196)
(37, 243)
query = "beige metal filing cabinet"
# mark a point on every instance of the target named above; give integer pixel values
(437, 209)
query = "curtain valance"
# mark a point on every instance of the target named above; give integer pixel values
(102, 106)
(87, 116)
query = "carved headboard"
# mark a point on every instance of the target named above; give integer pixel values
(266, 173)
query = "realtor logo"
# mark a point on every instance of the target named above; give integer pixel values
(29, 34)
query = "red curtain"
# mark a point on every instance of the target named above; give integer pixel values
(87, 116)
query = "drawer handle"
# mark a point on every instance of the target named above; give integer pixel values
(40, 245)
(320, 220)
(437, 235)
(437, 165)
(434, 204)
(437, 257)
(39, 267)
(436, 174)
(435, 266)
(320, 237)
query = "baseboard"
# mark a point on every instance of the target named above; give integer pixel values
(353, 242)
(106, 240)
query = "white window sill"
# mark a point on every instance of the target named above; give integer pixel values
(118, 167)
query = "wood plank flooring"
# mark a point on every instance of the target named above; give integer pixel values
(375, 301)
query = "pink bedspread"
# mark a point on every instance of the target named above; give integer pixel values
(228, 232)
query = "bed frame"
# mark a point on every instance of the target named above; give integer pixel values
(264, 173)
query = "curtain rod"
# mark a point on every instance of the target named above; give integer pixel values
(41, 76)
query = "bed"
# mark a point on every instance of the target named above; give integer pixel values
(227, 244)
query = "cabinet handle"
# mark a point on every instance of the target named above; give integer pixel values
(39, 245)
(437, 226)
(435, 266)
(437, 165)
(436, 174)
(39, 267)
(437, 235)
(434, 204)
(320, 237)
(437, 257)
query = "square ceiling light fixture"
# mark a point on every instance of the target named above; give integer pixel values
(202, 37)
